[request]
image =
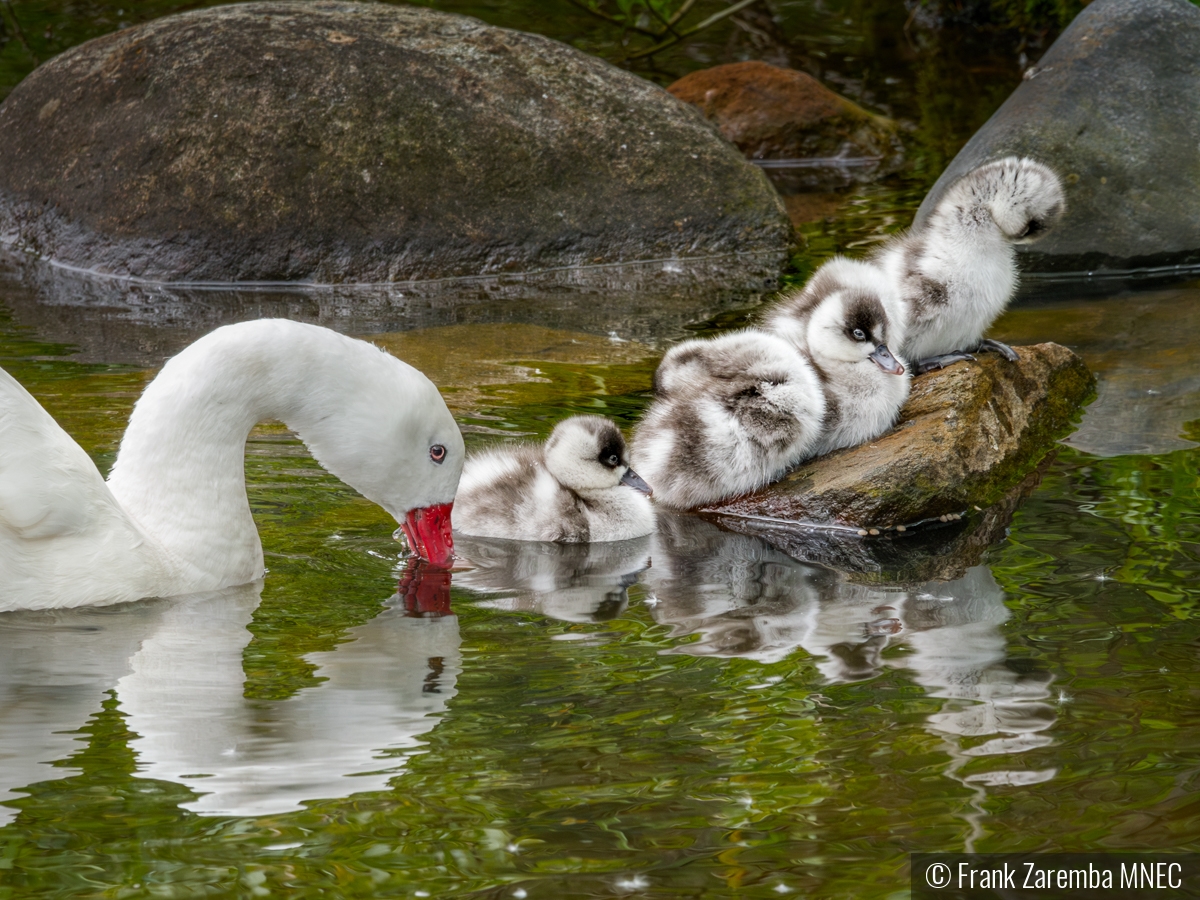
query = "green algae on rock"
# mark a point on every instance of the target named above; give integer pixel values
(360, 142)
(967, 436)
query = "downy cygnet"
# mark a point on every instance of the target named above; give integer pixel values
(578, 486)
(730, 414)
(840, 323)
(956, 272)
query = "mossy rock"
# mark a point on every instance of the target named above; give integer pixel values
(338, 142)
(968, 435)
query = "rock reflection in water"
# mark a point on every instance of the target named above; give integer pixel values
(570, 582)
(1146, 360)
(176, 667)
(111, 320)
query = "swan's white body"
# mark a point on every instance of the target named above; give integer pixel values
(174, 517)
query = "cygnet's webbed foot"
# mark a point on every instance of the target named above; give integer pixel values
(931, 363)
(1003, 349)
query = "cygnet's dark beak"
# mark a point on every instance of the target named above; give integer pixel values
(634, 480)
(883, 358)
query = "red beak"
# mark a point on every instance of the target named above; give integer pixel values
(428, 533)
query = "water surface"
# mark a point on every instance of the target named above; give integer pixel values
(695, 714)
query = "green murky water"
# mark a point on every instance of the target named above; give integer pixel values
(692, 715)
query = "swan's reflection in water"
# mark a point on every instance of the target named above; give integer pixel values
(176, 668)
(55, 668)
(737, 596)
(176, 665)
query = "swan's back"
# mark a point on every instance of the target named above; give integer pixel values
(63, 536)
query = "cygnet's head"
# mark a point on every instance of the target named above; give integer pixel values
(850, 325)
(1024, 197)
(587, 454)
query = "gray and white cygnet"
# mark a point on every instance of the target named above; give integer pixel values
(578, 486)
(730, 415)
(840, 323)
(958, 271)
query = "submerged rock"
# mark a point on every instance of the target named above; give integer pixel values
(817, 139)
(362, 142)
(968, 435)
(1112, 107)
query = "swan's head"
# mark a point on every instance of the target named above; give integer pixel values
(384, 429)
(851, 325)
(587, 454)
(1024, 197)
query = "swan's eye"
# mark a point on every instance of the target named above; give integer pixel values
(859, 334)
(611, 461)
(437, 453)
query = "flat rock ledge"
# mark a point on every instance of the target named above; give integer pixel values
(336, 142)
(967, 437)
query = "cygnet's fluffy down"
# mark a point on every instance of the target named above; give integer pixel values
(730, 415)
(578, 486)
(958, 271)
(840, 323)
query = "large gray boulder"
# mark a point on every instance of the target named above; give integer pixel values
(1114, 107)
(361, 142)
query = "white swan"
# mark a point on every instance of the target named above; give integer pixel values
(174, 517)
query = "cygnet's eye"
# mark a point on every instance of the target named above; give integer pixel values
(437, 453)
(859, 334)
(611, 461)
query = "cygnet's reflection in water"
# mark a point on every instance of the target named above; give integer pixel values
(745, 598)
(176, 667)
(570, 582)
(741, 597)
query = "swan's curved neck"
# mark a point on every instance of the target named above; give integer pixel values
(180, 471)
